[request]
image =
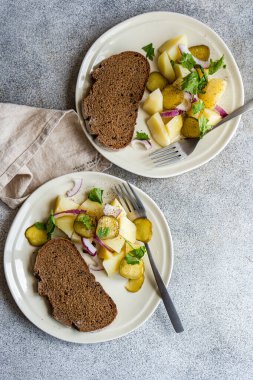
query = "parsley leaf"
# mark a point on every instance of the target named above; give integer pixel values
(40, 226)
(50, 226)
(193, 83)
(172, 63)
(150, 51)
(204, 127)
(134, 256)
(103, 232)
(216, 65)
(187, 61)
(142, 136)
(96, 195)
(87, 221)
(198, 106)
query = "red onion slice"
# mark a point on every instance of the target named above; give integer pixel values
(88, 246)
(186, 103)
(184, 49)
(111, 210)
(194, 98)
(76, 188)
(171, 113)
(221, 111)
(100, 242)
(69, 212)
(146, 143)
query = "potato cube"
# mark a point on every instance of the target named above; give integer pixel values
(171, 46)
(154, 102)
(158, 130)
(165, 67)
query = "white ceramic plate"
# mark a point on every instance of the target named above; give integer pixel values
(157, 27)
(133, 308)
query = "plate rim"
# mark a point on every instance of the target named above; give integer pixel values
(19, 301)
(222, 145)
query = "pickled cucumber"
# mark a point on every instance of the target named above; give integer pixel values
(135, 285)
(85, 225)
(131, 271)
(143, 229)
(107, 227)
(156, 80)
(190, 128)
(36, 236)
(200, 51)
(172, 97)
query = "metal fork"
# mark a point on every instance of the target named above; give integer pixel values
(183, 148)
(130, 200)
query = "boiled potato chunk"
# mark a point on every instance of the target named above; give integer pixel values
(212, 116)
(92, 208)
(143, 229)
(158, 130)
(75, 238)
(66, 224)
(200, 51)
(112, 264)
(103, 253)
(63, 204)
(115, 244)
(174, 127)
(36, 236)
(107, 227)
(213, 92)
(190, 128)
(165, 67)
(172, 97)
(155, 81)
(171, 46)
(154, 102)
(135, 285)
(131, 271)
(180, 71)
(130, 247)
(127, 229)
(115, 203)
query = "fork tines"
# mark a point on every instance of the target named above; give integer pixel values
(163, 156)
(128, 197)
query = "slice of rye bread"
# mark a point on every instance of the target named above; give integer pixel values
(111, 106)
(76, 298)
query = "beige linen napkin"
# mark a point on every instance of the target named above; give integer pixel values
(37, 145)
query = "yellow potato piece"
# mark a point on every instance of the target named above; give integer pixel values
(115, 203)
(93, 208)
(131, 271)
(155, 81)
(103, 253)
(127, 229)
(135, 285)
(171, 46)
(143, 229)
(66, 224)
(180, 71)
(157, 130)
(131, 246)
(165, 67)
(36, 236)
(174, 127)
(212, 116)
(213, 92)
(172, 97)
(63, 204)
(112, 264)
(154, 102)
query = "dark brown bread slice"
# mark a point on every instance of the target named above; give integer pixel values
(73, 292)
(111, 106)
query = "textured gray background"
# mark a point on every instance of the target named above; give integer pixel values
(210, 210)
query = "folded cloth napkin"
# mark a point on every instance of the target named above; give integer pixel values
(37, 145)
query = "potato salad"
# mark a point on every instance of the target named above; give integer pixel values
(183, 99)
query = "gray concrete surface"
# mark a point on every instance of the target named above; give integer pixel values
(210, 210)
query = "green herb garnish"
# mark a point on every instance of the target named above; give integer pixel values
(187, 61)
(86, 221)
(134, 256)
(103, 232)
(216, 65)
(50, 226)
(40, 226)
(204, 127)
(193, 83)
(172, 63)
(198, 106)
(96, 195)
(150, 51)
(142, 136)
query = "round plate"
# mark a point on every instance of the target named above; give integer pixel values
(133, 308)
(157, 27)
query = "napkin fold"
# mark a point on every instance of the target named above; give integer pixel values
(37, 145)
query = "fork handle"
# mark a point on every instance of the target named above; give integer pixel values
(239, 111)
(172, 313)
